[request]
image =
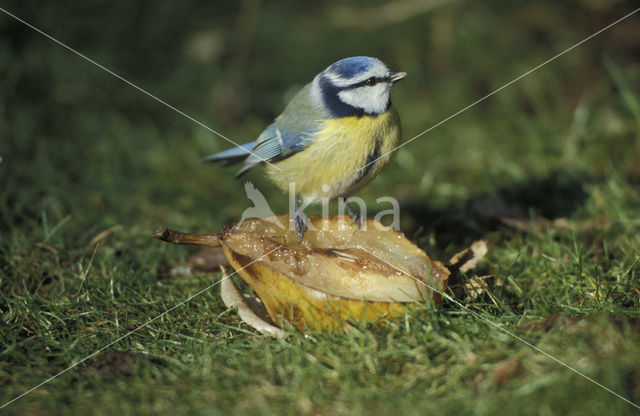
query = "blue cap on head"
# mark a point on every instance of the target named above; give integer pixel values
(350, 67)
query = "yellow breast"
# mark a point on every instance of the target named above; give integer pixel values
(334, 164)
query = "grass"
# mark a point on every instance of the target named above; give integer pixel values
(91, 166)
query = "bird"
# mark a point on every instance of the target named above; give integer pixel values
(333, 137)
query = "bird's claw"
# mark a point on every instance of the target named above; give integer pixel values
(357, 221)
(356, 218)
(301, 224)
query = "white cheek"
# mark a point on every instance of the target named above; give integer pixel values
(316, 93)
(372, 99)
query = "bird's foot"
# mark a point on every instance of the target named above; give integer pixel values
(355, 217)
(301, 224)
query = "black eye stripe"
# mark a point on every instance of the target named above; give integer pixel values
(364, 83)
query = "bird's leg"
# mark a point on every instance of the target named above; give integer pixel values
(357, 219)
(300, 220)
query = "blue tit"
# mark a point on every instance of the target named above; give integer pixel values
(332, 139)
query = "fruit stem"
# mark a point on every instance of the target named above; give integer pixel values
(177, 237)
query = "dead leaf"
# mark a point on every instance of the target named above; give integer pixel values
(538, 224)
(468, 258)
(208, 259)
(505, 370)
(475, 286)
(462, 262)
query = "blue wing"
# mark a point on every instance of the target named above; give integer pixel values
(231, 156)
(275, 144)
(289, 134)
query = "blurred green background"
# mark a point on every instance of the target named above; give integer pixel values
(90, 166)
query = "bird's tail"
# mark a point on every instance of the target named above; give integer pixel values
(231, 156)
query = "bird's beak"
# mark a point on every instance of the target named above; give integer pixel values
(395, 76)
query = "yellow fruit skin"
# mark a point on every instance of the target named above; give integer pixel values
(302, 306)
(333, 275)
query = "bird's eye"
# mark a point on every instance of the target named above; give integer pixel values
(371, 82)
